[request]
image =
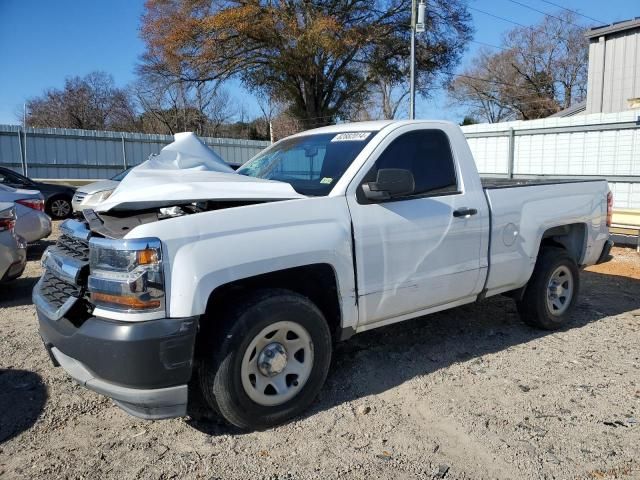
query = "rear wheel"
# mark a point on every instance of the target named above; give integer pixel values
(59, 208)
(552, 290)
(269, 362)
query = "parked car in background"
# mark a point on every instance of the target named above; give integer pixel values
(32, 223)
(57, 198)
(91, 194)
(13, 250)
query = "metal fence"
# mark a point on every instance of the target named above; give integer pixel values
(582, 146)
(56, 153)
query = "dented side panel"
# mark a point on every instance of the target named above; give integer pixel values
(210, 249)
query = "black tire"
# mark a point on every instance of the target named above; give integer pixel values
(533, 308)
(221, 361)
(54, 206)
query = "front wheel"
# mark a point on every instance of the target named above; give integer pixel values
(269, 362)
(552, 290)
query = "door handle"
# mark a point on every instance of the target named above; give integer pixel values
(464, 212)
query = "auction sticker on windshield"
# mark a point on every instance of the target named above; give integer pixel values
(351, 137)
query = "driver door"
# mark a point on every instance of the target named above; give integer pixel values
(413, 253)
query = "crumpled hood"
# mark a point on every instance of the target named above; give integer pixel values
(188, 171)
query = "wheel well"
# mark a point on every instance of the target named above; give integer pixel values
(57, 196)
(316, 282)
(572, 238)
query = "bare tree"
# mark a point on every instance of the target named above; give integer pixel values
(270, 108)
(170, 104)
(90, 102)
(392, 97)
(214, 102)
(539, 71)
(482, 88)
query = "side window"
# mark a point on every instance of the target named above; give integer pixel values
(427, 154)
(10, 178)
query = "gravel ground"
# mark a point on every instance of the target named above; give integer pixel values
(466, 394)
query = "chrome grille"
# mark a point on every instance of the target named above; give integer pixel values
(56, 291)
(73, 247)
(66, 270)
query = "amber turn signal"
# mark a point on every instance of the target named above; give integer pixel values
(148, 256)
(126, 301)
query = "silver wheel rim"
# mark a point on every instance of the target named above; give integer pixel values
(277, 363)
(60, 208)
(559, 290)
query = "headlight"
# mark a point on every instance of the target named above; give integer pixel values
(126, 275)
(100, 196)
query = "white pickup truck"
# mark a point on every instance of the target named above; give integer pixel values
(240, 282)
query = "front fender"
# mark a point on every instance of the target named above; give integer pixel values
(206, 250)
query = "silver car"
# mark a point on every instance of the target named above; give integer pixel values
(90, 195)
(13, 250)
(32, 223)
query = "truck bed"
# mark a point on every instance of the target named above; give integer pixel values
(520, 217)
(497, 182)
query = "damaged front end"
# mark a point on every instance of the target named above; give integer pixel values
(116, 224)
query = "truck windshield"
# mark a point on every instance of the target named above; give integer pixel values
(312, 164)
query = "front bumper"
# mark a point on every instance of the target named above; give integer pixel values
(143, 366)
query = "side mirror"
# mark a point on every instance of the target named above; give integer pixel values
(390, 183)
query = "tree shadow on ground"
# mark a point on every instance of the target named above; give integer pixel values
(381, 359)
(22, 399)
(17, 292)
(36, 249)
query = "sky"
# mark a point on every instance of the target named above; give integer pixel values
(43, 41)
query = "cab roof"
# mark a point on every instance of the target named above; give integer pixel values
(369, 126)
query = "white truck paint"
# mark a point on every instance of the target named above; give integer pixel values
(413, 257)
(390, 258)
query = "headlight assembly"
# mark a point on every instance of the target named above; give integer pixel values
(126, 275)
(100, 196)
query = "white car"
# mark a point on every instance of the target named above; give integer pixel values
(13, 250)
(242, 281)
(32, 223)
(90, 195)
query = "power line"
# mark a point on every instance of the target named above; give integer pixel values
(488, 45)
(544, 13)
(528, 27)
(498, 17)
(574, 11)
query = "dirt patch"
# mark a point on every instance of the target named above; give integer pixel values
(626, 264)
(466, 394)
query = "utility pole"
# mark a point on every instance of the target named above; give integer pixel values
(412, 84)
(416, 27)
(25, 170)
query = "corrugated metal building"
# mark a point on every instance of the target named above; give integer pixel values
(614, 67)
